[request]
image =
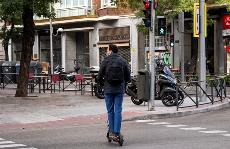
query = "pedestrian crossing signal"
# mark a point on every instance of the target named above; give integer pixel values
(162, 30)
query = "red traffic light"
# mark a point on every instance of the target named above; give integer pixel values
(147, 12)
(147, 5)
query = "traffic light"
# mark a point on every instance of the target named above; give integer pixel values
(162, 27)
(147, 13)
(172, 41)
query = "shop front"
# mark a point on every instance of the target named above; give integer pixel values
(119, 36)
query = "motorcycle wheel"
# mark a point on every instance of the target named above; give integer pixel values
(181, 97)
(136, 101)
(168, 99)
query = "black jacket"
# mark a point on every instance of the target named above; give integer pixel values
(101, 74)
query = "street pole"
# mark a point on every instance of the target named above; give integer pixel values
(181, 30)
(202, 57)
(151, 104)
(51, 42)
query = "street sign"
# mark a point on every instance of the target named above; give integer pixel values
(226, 21)
(196, 20)
(226, 32)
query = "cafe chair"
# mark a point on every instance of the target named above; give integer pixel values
(80, 82)
(31, 82)
(55, 80)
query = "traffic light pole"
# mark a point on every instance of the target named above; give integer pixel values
(202, 57)
(151, 103)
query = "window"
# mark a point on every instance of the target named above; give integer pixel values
(107, 3)
(81, 2)
(68, 3)
(71, 3)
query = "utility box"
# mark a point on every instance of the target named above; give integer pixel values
(9, 70)
(143, 85)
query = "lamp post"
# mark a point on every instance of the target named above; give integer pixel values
(51, 41)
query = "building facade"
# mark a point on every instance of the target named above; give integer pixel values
(88, 27)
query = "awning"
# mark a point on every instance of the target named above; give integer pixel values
(123, 43)
(78, 29)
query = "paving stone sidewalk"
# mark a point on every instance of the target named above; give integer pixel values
(71, 108)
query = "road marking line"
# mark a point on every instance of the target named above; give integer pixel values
(175, 126)
(145, 121)
(213, 131)
(193, 128)
(226, 135)
(159, 123)
(28, 148)
(11, 145)
(6, 142)
(1, 139)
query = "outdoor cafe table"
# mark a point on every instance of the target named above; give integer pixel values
(41, 80)
(70, 80)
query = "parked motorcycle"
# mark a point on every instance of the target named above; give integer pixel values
(70, 76)
(165, 89)
(97, 86)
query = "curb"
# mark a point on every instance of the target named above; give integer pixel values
(155, 115)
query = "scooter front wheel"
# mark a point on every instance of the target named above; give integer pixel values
(136, 101)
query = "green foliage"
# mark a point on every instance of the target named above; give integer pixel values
(11, 13)
(169, 8)
(227, 79)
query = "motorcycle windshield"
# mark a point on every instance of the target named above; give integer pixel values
(168, 72)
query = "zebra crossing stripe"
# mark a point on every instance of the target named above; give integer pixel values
(213, 131)
(1, 139)
(6, 142)
(226, 135)
(11, 145)
(28, 148)
(159, 123)
(175, 126)
(145, 121)
(193, 128)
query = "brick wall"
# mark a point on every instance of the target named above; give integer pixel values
(112, 12)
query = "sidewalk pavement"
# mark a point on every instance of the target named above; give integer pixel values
(46, 109)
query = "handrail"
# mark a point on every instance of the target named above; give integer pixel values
(216, 82)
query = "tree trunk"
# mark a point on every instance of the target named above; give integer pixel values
(27, 46)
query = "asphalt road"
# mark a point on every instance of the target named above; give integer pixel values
(200, 131)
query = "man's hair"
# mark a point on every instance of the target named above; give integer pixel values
(113, 48)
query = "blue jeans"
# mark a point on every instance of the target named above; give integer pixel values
(114, 109)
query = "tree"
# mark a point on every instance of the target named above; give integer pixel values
(27, 9)
(165, 6)
(10, 17)
(168, 8)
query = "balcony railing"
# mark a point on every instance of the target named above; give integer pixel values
(72, 11)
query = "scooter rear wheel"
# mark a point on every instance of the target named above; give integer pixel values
(136, 101)
(169, 99)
